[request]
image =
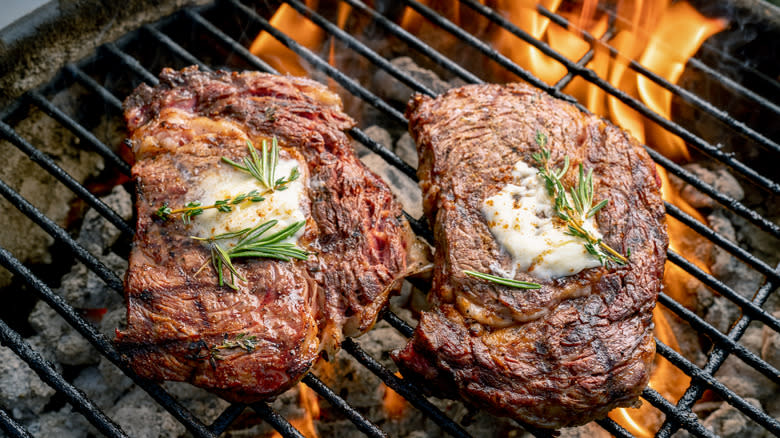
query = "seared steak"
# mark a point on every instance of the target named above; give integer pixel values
(257, 341)
(579, 346)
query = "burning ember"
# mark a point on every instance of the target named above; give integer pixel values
(659, 35)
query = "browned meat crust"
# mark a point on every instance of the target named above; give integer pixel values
(361, 243)
(581, 345)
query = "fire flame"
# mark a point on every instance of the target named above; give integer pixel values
(661, 38)
(393, 404)
(311, 408)
(659, 35)
(289, 21)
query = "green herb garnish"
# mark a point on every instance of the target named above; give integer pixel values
(575, 212)
(263, 166)
(252, 243)
(505, 281)
(194, 208)
(244, 341)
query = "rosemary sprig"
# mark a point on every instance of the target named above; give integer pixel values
(244, 341)
(580, 208)
(504, 281)
(263, 167)
(195, 208)
(252, 243)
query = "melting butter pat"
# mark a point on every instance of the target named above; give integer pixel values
(522, 219)
(226, 182)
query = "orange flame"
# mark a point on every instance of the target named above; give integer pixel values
(393, 403)
(290, 22)
(681, 33)
(659, 35)
(311, 407)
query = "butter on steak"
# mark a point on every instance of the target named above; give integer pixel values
(581, 345)
(286, 313)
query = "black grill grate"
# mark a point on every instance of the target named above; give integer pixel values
(678, 415)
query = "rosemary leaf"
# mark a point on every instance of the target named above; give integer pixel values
(263, 166)
(164, 212)
(194, 208)
(504, 281)
(244, 341)
(574, 213)
(253, 242)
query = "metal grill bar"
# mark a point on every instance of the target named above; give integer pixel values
(716, 358)
(74, 127)
(232, 412)
(355, 133)
(416, 44)
(174, 47)
(564, 81)
(689, 422)
(93, 86)
(582, 62)
(591, 77)
(722, 199)
(56, 171)
(277, 421)
(100, 343)
(736, 86)
(738, 252)
(228, 416)
(78, 400)
(360, 48)
(410, 392)
(384, 152)
(684, 94)
(61, 235)
(707, 379)
(719, 338)
(130, 62)
(725, 56)
(397, 323)
(11, 427)
(615, 429)
(667, 164)
(345, 81)
(229, 42)
(362, 423)
(713, 283)
(490, 52)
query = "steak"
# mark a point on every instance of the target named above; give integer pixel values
(254, 342)
(580, 345)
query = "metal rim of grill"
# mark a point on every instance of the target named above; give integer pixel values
(678, 415)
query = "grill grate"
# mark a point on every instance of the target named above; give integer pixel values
(677, 415)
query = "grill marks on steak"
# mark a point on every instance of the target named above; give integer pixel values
(581, 345)
(362, 245)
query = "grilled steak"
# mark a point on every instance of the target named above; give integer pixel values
(257, 341)
(580, 345)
